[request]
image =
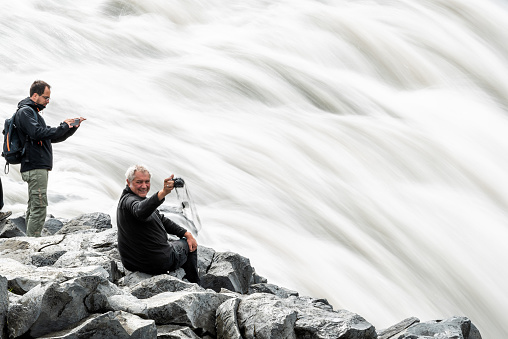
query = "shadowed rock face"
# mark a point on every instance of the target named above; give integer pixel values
(72, 284)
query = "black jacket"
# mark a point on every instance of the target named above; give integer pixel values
(39, 152)
(142, 233)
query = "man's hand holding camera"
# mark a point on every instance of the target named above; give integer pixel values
(168, 186)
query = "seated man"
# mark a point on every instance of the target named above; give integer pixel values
(142, 231)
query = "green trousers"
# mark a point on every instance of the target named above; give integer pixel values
(37, 180)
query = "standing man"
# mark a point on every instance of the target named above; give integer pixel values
(142, 231)
(38, 157)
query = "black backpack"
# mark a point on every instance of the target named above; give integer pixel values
(14, 142)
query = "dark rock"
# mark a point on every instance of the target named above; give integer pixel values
(268, 316)
(51, 226)
(397, 328)
(272, 289)
(194, 309)
(161, 283)
(93, 221)
(228, 270)
(46, 258)
(9, 229)
(205, 258)
(227, 321)
(53, 307)
(19, 222)
(451, 328)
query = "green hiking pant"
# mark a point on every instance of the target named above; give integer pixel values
(37, 180)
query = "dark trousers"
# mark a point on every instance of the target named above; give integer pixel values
(181, 257)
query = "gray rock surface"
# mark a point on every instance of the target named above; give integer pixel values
(194, 309)
(53, 307)
(397, 328)
(9, 229)
(262, 315)
(161, 283)
(228, 270)
(227, 320)
(118, 325)
(451, 328)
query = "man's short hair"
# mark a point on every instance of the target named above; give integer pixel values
(38, 87)
(131, 171)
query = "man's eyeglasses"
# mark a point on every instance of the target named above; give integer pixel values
(45, 97)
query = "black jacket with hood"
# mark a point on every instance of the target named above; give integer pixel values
(142, 233)
(38, 152)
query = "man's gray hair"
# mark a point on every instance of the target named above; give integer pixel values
(131, 171)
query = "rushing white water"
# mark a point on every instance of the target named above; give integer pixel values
(353, 150)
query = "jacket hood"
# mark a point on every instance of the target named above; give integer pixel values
(29, 102)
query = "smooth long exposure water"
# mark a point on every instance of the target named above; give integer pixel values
(353, 150)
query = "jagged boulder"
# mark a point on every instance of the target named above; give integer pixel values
(391, 331)
(97, 221)
(194, 309)
(51, 226)
(9, 229)
(263, 315)
(46, 258)
(451, 328)
(22, 278)
(159, 284)
(205, 258)
(53, 307)
(230, 271)
(227, 320)
(118, 325)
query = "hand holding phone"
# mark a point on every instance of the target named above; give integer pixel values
(76, 122)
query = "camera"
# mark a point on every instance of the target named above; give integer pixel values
(178, 182)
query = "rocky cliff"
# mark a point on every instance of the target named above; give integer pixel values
(70, 283)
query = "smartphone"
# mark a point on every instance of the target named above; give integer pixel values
(75, 123)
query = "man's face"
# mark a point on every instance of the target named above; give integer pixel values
(140, 185)
(42, 99)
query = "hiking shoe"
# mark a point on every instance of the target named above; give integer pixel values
(4, 215)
